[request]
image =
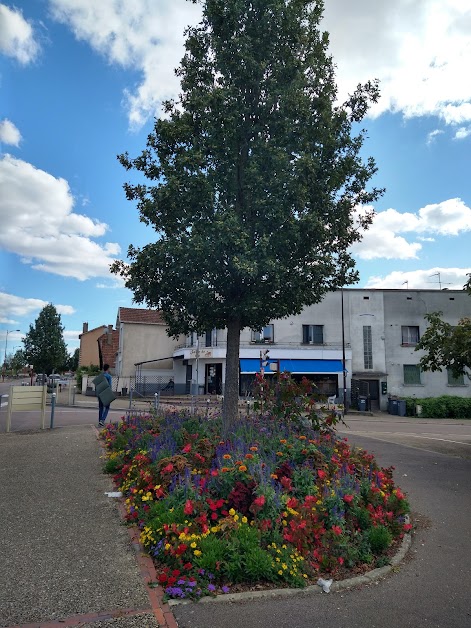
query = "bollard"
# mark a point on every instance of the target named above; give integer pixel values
(74, 391)
(156, 400)
(53, 406)
(248, 407)
(208, 401)
(130, 398)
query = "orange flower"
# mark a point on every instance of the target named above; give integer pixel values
(242, 467)
(283, 441)
(249, 456)
(227, 456)
(279, 453)
(225, 469)
(254, 448)
(302, 438)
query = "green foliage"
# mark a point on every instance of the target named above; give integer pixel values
(44, 343)
(290, 401)
(443, 407)
(253, 175)
(446, 346)
(379, 538)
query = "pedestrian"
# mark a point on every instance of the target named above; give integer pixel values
(102, 409)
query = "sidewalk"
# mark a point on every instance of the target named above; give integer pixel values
(66, 558)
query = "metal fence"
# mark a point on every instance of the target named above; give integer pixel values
(150, 385)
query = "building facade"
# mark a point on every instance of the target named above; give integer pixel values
(360, 341)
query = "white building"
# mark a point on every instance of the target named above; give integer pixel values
(376, 341)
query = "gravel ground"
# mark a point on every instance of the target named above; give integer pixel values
(63, 548)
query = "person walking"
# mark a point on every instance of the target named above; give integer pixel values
(102, 409)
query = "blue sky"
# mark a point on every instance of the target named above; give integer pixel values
(80, 82)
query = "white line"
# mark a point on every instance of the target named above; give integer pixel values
(445, 440)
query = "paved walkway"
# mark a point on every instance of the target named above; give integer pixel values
(66, 559)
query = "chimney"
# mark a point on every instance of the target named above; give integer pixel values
(109, 335)
(85, 328)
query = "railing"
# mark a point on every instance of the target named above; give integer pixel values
(281, 344)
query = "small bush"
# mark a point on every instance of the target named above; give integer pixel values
(380, 539)
(444, 407)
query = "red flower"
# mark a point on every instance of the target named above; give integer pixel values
(321, 474)
(292, 502)
(188, 510)
(186, 449)
(171, 580)
(168, 468)
(407, 527)
(337, 530)
(162, 578)
(348, 499)
(187, 566)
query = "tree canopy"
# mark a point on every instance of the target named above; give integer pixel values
(446, 346)
(44, 343)
(254, 176)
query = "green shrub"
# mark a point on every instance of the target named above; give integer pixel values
(444, 407)
(380, 539)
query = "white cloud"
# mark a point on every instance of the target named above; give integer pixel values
(462, 132)
(39, 225)
(432, 136)
(419, 49)
(18, 307)
(451, 278)
(9, 134)
(382, 239)
(139, 34)
(16, 36)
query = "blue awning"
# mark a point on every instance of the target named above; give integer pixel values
(298, 367)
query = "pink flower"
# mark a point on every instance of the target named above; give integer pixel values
(348, 499)
(186, 449)
(321, 474)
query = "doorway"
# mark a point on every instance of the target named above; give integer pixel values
(213, 379)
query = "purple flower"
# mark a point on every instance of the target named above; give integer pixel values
(211, 587)
(225, 589)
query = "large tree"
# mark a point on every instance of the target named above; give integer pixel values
(44, 343)
(254, 176)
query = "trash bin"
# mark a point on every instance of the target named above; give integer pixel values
(393, 406)
(124, 391)
(401, 407)
(362, 404)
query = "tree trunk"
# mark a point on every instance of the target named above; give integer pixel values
(230, 409)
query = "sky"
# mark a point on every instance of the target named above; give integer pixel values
(81, 82)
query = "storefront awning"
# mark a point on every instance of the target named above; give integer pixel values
(297, 367)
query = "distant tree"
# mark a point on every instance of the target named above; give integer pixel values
(446, 346)
(44, 343)
(18, 361)
(255, 175)
(73, 361)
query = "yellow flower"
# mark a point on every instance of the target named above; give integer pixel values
(167, 546)
(236, 517)
(280, 572)
(197, 553)
(232, 512)
(193, 545)
(244, 519)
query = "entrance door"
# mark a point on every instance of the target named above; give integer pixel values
(373, 393)
(189, 376)
(213, 379)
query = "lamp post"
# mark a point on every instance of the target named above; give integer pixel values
(9, 331)
(344, 368)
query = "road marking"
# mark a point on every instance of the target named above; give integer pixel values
(445, 440)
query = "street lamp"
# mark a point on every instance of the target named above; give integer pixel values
(344, 368)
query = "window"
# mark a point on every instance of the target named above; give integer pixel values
(412, 375)
(211, 338)
(313, 334)
(265, 335)
(410, 335)
(454, 381)
(367, 347)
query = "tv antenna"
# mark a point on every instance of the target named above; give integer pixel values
(440, 282)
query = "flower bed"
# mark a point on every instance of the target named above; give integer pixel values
(271, 504)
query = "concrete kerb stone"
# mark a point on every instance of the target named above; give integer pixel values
(340, 585)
